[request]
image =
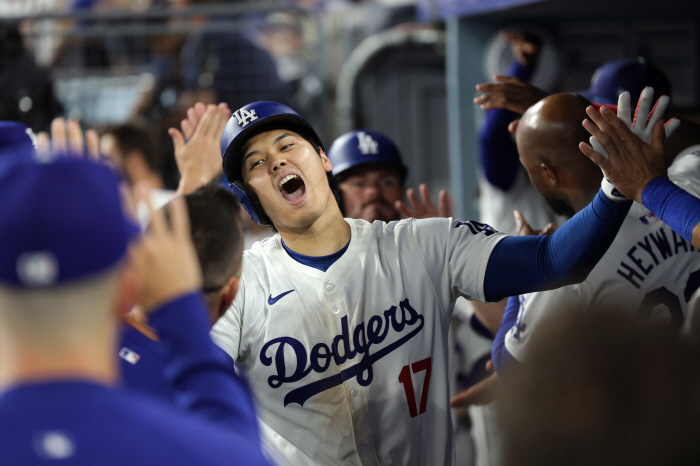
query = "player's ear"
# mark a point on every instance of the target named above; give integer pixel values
(550, 174)
(128, 290)
(326, 161)
(228, 293)
(513, 126)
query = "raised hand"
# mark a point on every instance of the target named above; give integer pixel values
(525, 46)
(198, 145)
(165, 258)
(644, 121)
(522, 228)
(630, 163)
(67, 137)
(424, 207)
(481, 393)
(508, 93)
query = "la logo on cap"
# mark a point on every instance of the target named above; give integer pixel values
(244, 117)
(38, 268)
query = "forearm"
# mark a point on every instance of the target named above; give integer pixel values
(203, 378)
(524, 264)
(675, 207)
(498, 154)
(500, 356)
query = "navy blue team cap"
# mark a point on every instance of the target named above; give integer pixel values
(632, 75)
(62, 220)
(17, 141)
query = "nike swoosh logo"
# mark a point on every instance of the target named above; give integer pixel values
(272, 300)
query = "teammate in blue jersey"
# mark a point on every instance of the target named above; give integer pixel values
(216, 233)
(64, 279)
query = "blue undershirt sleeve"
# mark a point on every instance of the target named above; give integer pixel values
(498, 154)
(500, 357)
(675, 207)
(523, 264)
(203, 378)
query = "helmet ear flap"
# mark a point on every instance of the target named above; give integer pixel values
(249, 201)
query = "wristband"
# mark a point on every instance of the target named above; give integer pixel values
(675, 207)
(611, 191)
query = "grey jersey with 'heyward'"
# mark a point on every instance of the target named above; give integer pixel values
(648, 269)
(349, 367)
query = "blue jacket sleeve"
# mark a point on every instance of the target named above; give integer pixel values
(523, 264)
(500, 357)
(203, 378)
(498, 154)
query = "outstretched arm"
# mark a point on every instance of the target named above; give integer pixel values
(523, 264)
(637, 169)
(504, 100)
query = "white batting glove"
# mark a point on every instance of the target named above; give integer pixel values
(642, 125)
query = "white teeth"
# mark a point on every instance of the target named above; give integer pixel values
(287, 178)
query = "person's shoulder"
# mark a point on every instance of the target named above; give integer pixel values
(686, 163)
(259, 250)
(113, 426)
(161, 426)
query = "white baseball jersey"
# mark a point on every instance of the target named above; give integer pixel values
(648, 268)
(496, 206)
(349, 367)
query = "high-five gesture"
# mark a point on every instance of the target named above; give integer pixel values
(198, 146)
(630, 152)
(424, 207)
(67, 137)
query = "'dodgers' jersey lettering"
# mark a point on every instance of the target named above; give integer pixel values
(342, 349)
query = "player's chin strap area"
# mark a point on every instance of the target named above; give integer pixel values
(523, 264)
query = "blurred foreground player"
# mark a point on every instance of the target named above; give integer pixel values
(342, 324)
(603, 389)
(65, 279)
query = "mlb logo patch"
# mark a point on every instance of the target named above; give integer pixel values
(648, 219)
(129, 356)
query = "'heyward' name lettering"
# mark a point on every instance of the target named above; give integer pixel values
(657, 248)
(344, 346)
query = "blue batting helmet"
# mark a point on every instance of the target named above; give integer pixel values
(245, 123)
(616, 76)
(364, 147)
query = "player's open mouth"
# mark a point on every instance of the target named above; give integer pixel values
(292, 188)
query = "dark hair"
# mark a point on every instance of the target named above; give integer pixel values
(216, 232)
(130, 137)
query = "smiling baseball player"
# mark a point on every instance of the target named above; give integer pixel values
(342, 324)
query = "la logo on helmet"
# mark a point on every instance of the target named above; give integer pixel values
(244, 117)
(367, 145)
